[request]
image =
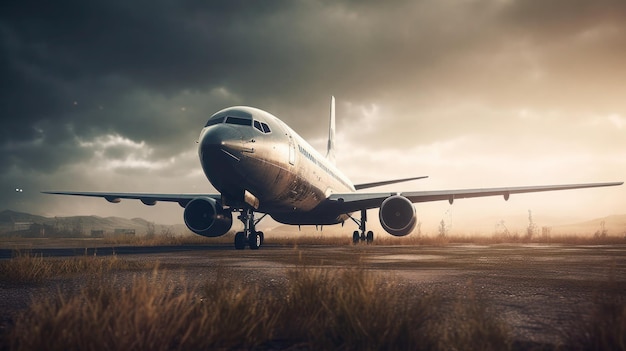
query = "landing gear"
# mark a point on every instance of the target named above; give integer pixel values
(249, 235)
(360, 235)
(240, 241)
(369, 238)
(255, 240)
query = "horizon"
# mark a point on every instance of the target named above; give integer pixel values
(615, 224)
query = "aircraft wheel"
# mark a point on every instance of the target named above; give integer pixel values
(370, 237)
(355, 237)
(240, 241)
(254, 240)
(262, 238)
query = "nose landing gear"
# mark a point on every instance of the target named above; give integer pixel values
(249, 236)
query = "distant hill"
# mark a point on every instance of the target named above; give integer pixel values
(12, 221)
(614, 225)
(8, 216)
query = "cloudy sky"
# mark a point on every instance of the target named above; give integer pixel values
(111, 96)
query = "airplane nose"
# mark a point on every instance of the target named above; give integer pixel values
(220, 152)
(220, 144)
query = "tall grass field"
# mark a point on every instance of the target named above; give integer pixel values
(315, 309)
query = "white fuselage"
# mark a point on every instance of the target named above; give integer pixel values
(253, 158)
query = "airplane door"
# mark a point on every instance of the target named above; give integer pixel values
(292, 151)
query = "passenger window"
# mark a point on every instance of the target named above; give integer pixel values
(257, 125)
(266, 128)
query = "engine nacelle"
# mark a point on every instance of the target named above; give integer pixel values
(397, 215)
(206, 217)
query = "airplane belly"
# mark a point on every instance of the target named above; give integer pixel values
(321, 215)
(279, 188)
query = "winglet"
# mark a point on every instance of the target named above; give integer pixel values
(330, 154)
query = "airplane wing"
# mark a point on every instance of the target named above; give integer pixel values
(147, 199)
(353, 202)
(386, 182)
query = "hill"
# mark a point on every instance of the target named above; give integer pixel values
(613, 225)
(8, 216)
(12, 222)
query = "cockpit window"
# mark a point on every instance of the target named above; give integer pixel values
(262, 127)
(239, 121)
(238, 117)
(266, 128)
(257, 125)
(214, 121)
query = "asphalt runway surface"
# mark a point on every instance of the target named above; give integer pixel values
(538, 289)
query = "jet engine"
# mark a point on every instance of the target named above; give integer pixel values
(206, 217)
(397, 215)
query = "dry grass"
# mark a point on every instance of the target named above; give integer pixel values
(435, 240)
(150, 315)
(355, 310)
(338, 240)
(25, 267)
(158, 240)
(317, 309)
(604, 328)
(348, 309)
(470, 325)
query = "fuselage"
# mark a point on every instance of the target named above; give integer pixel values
(254, 159)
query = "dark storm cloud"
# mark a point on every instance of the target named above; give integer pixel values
(93, 67)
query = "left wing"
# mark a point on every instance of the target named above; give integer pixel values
(352, 202)
(147, 199)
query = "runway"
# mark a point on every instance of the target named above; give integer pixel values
(537, 289)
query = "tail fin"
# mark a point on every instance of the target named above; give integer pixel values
(330, 154)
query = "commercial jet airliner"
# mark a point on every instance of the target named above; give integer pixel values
(260, 165)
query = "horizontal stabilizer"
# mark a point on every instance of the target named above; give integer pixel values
(386, 182)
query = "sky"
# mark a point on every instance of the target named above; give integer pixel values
(112, 95)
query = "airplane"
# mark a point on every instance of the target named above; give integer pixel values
(260, 165)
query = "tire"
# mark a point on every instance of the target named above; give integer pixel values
(240, 241)
(355, 237)
(262, 237)
(254, 241)
(370, 237)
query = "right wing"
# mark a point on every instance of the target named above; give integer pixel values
(147, 199)
(352, 202)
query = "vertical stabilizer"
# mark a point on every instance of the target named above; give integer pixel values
(330, 154)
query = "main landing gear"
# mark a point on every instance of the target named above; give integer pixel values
(249, 235)
(361, 235)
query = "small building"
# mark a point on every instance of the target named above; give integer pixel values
(31, 230)
(122, 231)
(21, 226)
(97, 233)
